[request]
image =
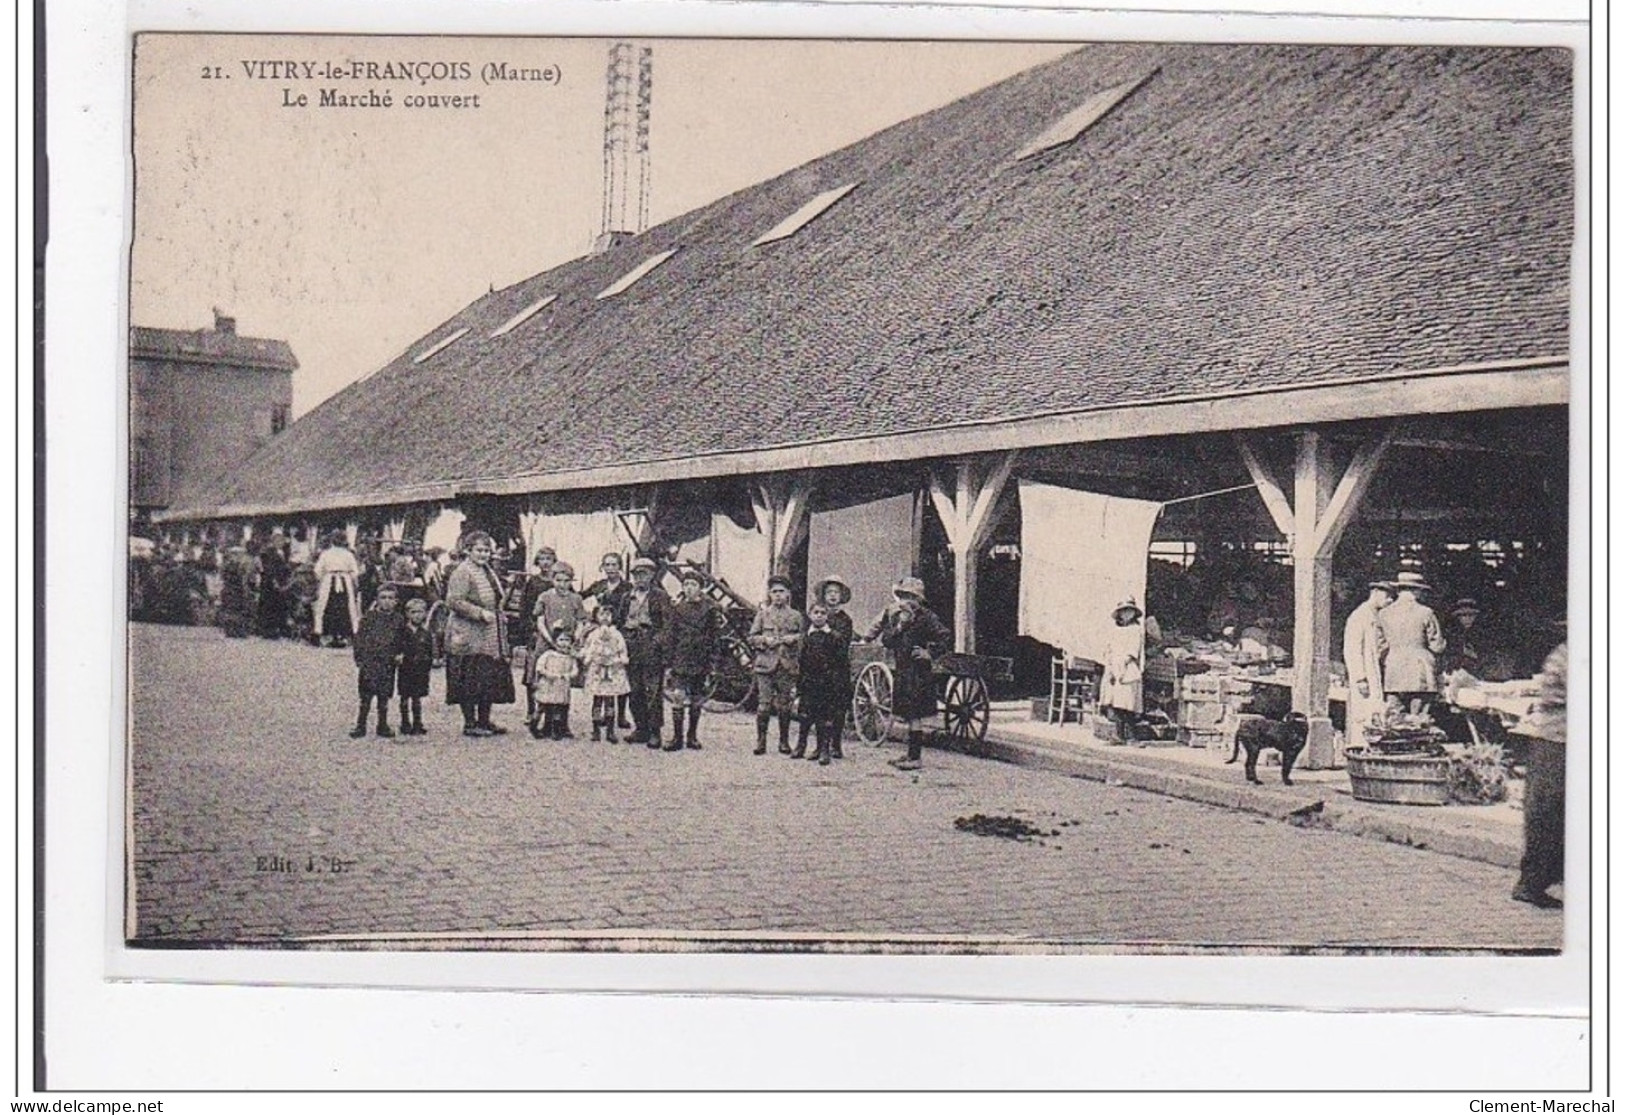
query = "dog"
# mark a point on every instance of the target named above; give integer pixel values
(1257, 733)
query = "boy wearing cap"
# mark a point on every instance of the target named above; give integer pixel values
(643, 623)
(693, 638)
(916, 637)
(379, 645)
(775, 636)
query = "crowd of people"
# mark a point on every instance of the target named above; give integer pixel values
(315, 590)
(636, 651)
(630, 647)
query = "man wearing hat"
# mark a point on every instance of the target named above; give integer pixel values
(643, 622)
(693, 640)
(1410, 674)
(916, 637)
(1121, 692)
(1363, 647)
(775, 636)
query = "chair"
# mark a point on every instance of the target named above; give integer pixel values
(1074, 689)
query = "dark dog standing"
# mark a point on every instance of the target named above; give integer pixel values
(1256, 734)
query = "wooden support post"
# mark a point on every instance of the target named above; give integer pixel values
(966, 511)
(1311, 580)
(1313, 523)
(782, 504)
(1275, 500)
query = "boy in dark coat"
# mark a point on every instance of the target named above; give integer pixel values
(825, 654)
(417, 660)
(378, 646)
(833, 593)
(692, 641)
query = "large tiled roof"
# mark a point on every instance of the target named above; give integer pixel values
(209, 346)
(1249, 218)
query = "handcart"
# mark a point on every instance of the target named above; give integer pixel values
(962, 692)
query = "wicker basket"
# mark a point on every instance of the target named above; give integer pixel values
(1398, 779)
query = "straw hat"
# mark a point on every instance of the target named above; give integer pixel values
(1466, 606)
(1127, 604)
(1409, 580)
(846, 590)
(910, 586)
(644, 563)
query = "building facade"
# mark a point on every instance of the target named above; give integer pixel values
(201, 402)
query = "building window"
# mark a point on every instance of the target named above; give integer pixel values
(1069, 127)
(524, 315)
(801, 217)
(625, 281)
(279, 418)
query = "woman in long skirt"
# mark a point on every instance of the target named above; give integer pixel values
(478, 674)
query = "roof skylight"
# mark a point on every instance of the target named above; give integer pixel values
(524, 315)
(621, 284)
(1079, 120)
(431, 350)
(801, 217)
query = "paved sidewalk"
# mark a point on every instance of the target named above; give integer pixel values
(1489, 834)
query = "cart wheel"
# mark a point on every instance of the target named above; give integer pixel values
(965, 709)
(731, 684)
(871, 704)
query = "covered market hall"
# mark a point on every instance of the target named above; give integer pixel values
(1232, 330)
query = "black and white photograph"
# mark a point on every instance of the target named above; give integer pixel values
(653, 494)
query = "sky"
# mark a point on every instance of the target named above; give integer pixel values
(351, 232)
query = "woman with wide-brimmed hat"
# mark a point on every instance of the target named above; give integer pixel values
(915, 636)
(478, 673)
(1121, 692)
(1410, 629)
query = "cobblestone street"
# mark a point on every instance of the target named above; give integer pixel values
(255, 817)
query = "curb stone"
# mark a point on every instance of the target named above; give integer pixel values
(1304, 805)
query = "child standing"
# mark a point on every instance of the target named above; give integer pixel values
(824, 657)
(417, 659)
(378, 646)
(604, 652)
(692, 639)
(775, 635)
(558, 608)
(555, 669)
(833, 593)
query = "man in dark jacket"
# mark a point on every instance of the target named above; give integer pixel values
(915, 636)
(642, 623)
